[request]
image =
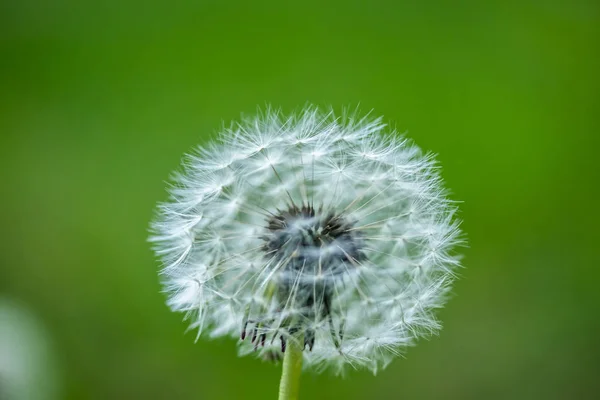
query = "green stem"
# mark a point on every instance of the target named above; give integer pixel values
(289, 386)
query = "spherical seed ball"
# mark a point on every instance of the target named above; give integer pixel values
(314, 228)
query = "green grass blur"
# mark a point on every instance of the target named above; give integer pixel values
(99, 101)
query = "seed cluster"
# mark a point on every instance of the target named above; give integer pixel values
(310, 227)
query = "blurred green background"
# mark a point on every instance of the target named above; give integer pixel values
(99, 101)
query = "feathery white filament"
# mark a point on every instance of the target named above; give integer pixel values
(310, 223)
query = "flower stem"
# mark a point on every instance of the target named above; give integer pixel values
(289, 386)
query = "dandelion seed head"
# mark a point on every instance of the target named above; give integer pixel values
(328, 229)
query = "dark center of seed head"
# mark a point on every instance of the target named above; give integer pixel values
(311, 250)
(311, 245)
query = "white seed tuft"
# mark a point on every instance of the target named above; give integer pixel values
(311, 225)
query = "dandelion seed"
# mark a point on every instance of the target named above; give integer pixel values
(313, 229)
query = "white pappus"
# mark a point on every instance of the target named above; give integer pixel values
(309, 227)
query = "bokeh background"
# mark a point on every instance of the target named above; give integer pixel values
(99, 100)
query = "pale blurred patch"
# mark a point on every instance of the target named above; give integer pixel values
(28, 370)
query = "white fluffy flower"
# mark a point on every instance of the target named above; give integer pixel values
(309, 226)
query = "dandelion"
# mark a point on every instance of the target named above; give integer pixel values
(322, 240)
